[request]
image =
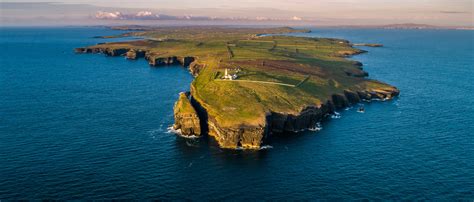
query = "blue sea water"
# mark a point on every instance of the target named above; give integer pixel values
(94, 127)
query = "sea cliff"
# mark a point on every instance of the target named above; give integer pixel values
(252, 137)
(248, 85)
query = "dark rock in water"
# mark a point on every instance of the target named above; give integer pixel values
(369, 44)
(357, 63)
(361, 109)
(80, 50)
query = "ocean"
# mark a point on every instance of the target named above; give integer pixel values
(94, 127)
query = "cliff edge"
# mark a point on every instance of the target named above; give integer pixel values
(250, 84)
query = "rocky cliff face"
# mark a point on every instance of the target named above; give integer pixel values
(134, 54)
(173, 60)
(192, 119)
(241, 136)
(347, 53)
(195, 68)
(252, 137)
(247, 137)
(186, 117)
(306, 119)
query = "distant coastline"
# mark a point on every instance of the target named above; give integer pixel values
(144, 26)
(403, 26)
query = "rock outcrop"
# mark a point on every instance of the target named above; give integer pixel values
(348, 53)
(186, 118)
(195, 68)
(306, 119)
(246, 137)
(134, 54)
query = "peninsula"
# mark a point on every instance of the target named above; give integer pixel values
(252, 82)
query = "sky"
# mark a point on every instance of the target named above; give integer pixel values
(311, 12)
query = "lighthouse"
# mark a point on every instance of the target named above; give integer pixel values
(227, 76)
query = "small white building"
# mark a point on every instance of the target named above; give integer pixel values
(228, 76)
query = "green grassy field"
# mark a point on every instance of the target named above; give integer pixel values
(312, 68)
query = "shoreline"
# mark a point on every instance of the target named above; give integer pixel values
(201, 119)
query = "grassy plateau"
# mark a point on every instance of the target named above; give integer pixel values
(275, 73)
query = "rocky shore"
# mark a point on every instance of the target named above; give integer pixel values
(244, 114)
(252, 137)
(133, 54)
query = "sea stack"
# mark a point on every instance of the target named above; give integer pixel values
(186, 118)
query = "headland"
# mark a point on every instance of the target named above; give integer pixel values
(253, 82)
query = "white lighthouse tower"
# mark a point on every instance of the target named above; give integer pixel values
(228, 76)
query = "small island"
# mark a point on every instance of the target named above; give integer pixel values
(252, 82)
(368, 44)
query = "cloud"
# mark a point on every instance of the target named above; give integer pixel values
(116, 15)
(109, 15)
(296, 18)
(149, 15)
(324, 12)
(144, 15)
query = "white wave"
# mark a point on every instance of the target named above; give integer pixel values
(261, 148)
(190, 137)
(317, 127)
(178, 132)
(336, 115)
(266, 147)
(172, 130)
